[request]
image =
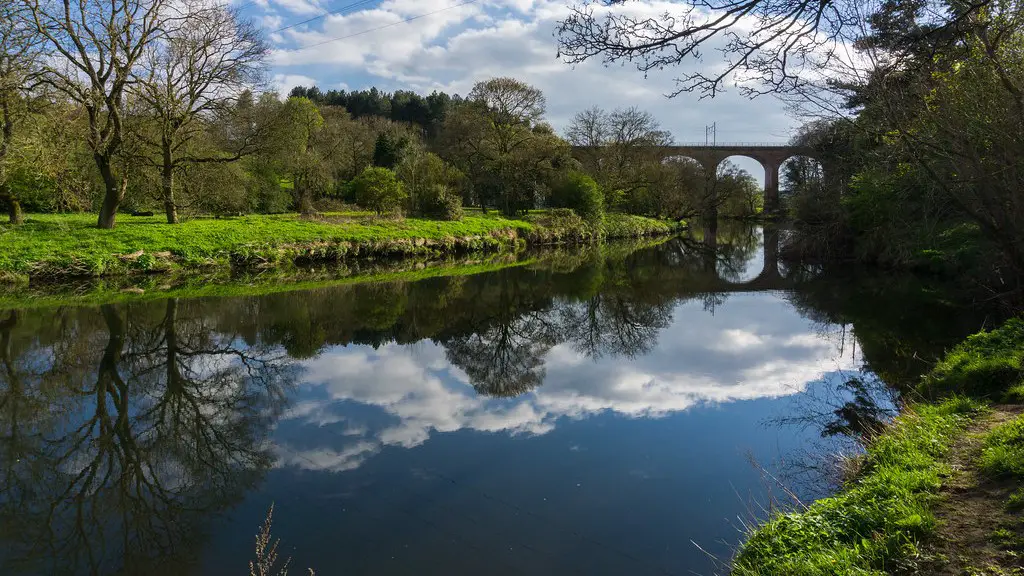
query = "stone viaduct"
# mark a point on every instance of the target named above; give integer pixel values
(770, 156)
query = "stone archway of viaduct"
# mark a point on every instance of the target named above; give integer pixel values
(770, 156)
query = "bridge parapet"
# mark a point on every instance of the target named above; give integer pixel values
(732, 145)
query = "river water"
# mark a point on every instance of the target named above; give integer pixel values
(626, 410)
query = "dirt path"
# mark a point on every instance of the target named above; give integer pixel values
(977, 535)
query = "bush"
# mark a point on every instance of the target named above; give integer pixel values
(378, 189)
(579, 192)
(433, 186)
(987, 364)
(441, 202)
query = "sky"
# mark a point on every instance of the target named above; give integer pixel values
(456, 43)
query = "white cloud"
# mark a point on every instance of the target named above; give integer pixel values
(761, 349)
(453, 49)
(283, 83)
(300, 7)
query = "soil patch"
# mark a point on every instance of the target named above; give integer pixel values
(977, 535)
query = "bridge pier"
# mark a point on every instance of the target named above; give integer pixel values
(771, 186)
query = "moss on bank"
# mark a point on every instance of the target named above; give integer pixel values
(68, 246)
(880, 520)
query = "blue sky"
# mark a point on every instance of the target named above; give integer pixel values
(455, 44)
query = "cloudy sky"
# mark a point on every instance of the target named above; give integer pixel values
(754, 346)
(451, 44)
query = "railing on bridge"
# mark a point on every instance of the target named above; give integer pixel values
(732, 145)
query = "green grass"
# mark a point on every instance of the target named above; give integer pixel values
(1003, 454)
(47, 245)
(878, 520)
(986, 365)
(60, 246)
(876, 523)
(628, 226)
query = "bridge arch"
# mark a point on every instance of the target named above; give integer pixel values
(742, 163)
(800, 170)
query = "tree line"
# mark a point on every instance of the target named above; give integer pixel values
(144, 104)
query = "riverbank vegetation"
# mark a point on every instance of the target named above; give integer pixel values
(944, 469)
(48, 247)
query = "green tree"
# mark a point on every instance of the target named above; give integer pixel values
(433, 185)
(499, 140)
(388, 150)
(98, 46)
(581, 193)
(379, 189)
(20, 56)
(197, 70)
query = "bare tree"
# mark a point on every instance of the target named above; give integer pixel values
(588, 128)
(196, 72)
(97, 45)
(769, 45)
(20, 54)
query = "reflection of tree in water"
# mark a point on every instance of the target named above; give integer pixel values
(144, 421)
(613, 323)
(861, 417)
(501, 345)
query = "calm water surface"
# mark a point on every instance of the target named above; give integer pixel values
(593, 413)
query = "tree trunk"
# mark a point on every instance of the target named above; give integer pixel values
(304, 198)
(13, 205)
(113, 193)
(167, 178)
(14, 211)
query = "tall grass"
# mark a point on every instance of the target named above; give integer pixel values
(875, 524)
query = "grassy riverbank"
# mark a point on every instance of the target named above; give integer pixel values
(66, 246)
(936, 493)
(224, 282)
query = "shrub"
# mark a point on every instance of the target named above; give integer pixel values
(1003, 454)
(378, 189)
(433, 185)
(579, 192)
(986, 364)
(441, 202)
(560, 226)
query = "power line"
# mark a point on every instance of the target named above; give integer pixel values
(341, 10)
(407, 20)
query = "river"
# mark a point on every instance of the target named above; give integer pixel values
(622, 410)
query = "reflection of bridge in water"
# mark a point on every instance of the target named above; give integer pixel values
(769, 279)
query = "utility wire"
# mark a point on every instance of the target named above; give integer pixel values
(338, 11)
(407, 20)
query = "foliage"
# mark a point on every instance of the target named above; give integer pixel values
(433, 185)
(629, 226)
(879, 518)
(986, 364)
(388, 150)
(1003, 454)
(580, 193)
(379, 189)
(561, 225)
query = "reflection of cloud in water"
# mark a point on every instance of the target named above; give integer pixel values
(756, 346)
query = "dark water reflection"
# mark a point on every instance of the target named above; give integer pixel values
(592, 412)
